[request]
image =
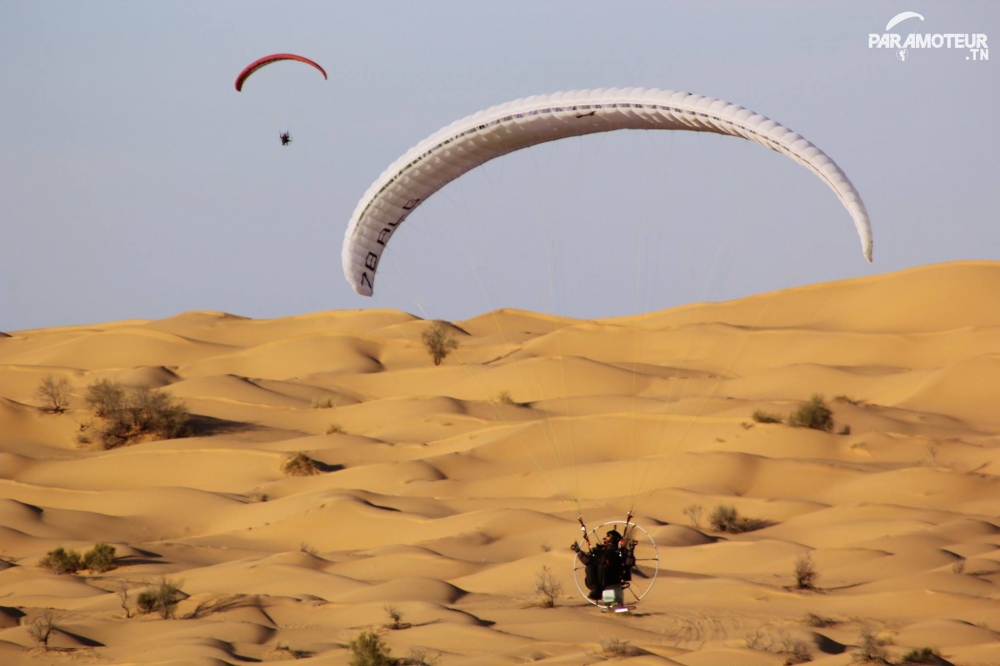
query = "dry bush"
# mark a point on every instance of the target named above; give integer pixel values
(958, 566)
(924, 655)
(129, 414)
(368, 649)
(54, 394)
(335, 429)
(849, 400)
(122, 590)
(504, 398)
(395, 618)
(818, 621)
(282, 651)
(41, 629)
(805, 572)
(727, 519)
(846, 430)
(299, 464)
(419, 656)
(812, 414)
(872, 649)
(161, 598)
(693, 513)
(307, 549)
(760, 416)
(62, 561)
(547, 588)
(615, 648)
(326, 403)
(796, 650)
(438, 341)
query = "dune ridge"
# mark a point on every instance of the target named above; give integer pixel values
(441, 493)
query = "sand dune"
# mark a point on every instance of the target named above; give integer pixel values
(443, 492)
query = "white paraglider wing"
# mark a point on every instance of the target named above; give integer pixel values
(477, 139)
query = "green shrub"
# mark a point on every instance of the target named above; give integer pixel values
(62, 561)
(438, 341)
(368, 649)
(130, 413)
(100, 558)
(727, 519)
(162, 598)
(54, 394)
(760, 416)
(812, 414)
(925, 655)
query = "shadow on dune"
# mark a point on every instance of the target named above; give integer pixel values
(83, 640)
(206, 426)
(210, 606)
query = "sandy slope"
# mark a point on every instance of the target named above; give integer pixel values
(445, 502)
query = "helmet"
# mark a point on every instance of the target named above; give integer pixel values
(613, 536)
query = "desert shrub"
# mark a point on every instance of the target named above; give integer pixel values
(335, 429)
(438, 341)
(41, 628)
(727, 519)
(872, 649)
(100, 558)
(162, 598)
(547, 588)
(723, 518)
(62, 561)
(130, 413)
(54, 394)
(805, 572)
(299, 464)
(924, 655)
(848, 399)
(105, 397)
(616, 648)
(504, 398)
(306, 548)
(846, 430)
(368, 649)
(693, 513)
(812, 414)
(395, 618)
(796, 650)
(419, 656)
(325, 403)
(760, 416)
(818, 621)
(122, 590)
(282, 651)
(958, 566)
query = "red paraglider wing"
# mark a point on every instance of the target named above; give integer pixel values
(267, 60)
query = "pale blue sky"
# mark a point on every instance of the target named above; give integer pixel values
(137, 183)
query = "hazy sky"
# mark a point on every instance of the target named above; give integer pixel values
(137, 183)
